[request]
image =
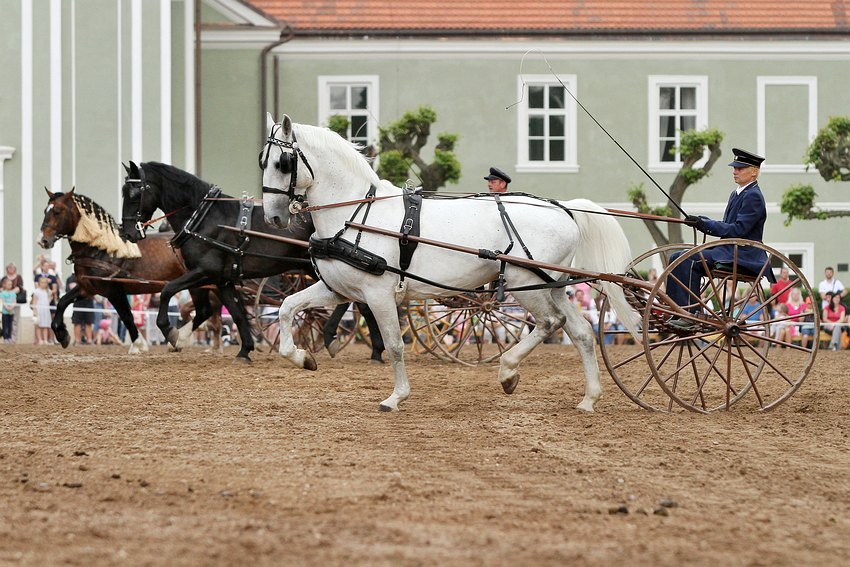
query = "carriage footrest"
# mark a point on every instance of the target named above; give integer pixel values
(345, 251)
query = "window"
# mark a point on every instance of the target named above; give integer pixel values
(801, 255)
(355, 98)
(676, 104)
(547, 124)
(787, 118)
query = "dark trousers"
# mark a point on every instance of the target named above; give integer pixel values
(690, 273)
(8, 321)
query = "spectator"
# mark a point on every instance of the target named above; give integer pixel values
(40, 303)
(784, 331)
(8, 300)
(105, 335)
(832, 317)
(807, 328)
(781, 287)
(139, 305)
(830, 285)
(20, 295)
(83, 316)
(796, 306)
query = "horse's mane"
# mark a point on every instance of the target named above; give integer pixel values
(176, 175)
(98, 229)
(348, 152)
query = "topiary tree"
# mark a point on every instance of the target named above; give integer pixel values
(401, 144)
(829, 152)
(692, 148)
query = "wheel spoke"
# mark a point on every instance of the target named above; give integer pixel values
(769, 363)
(750, 377)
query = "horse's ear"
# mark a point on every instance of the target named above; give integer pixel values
(71, 192)
(134, 169)
(49, 194)
(126, 169)
(286, 127)
(269, 121)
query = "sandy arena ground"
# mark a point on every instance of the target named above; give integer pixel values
(184, 459)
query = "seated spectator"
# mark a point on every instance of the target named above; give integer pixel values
(782, 286)
(105, 335)
(833, 316)
(796, 306)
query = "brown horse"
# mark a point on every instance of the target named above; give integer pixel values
(106, 265)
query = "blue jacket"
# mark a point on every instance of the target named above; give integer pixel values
(744, 218)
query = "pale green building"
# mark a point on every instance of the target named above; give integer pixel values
(88, 84)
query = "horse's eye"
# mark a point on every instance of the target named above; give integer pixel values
(277, 164)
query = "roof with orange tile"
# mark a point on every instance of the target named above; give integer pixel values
(414, 17)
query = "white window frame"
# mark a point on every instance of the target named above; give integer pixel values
(371, 81)
(805, 249)
(570, 163)
(761, 92)
(655, 82)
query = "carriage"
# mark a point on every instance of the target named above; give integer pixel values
(732, 347)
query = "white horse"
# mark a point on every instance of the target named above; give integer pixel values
(301, 161)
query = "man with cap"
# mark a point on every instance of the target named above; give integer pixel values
(497, 181)
(744, 218)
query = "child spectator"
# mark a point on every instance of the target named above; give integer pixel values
(41, 298)
(8, 298)
(105, 335)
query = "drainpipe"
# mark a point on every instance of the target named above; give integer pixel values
(286, 34)
(198, 137)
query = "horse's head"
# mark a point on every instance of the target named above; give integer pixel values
(60, 218)
(286, 173)
(137, 204)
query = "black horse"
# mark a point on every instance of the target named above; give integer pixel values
(197, 211)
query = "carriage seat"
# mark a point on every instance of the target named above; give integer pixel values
(724, 270)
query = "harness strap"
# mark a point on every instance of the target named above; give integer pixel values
(510, 229)
(409, 226)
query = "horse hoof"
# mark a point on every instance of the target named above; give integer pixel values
(241, 360)
(310, 363)
(65, 341)
(173, 337)
(384, 408)
(510, 385)
(334, 348)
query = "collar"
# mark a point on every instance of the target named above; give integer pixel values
(740, 188)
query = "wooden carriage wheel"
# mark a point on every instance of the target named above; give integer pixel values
(624, 358)
(473, 328)
(307, 325)
(727, 355)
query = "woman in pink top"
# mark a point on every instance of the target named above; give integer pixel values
(833, 316)
(795, 306)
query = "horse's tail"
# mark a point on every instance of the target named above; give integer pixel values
(603, 247)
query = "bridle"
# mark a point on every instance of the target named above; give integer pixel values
(143, 184)
(296, 202)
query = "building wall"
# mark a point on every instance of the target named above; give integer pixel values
(85, 109)
(470, 84)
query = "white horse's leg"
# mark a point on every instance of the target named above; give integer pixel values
(548, 318)
(139, 345)
(386, 314)
(581, 334)
(317, 295)
(184, 337)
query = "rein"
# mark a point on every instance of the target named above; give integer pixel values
(166, 215)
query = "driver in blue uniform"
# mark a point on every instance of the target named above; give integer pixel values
(744, 218)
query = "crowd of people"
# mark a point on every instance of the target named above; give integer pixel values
(96, 323)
